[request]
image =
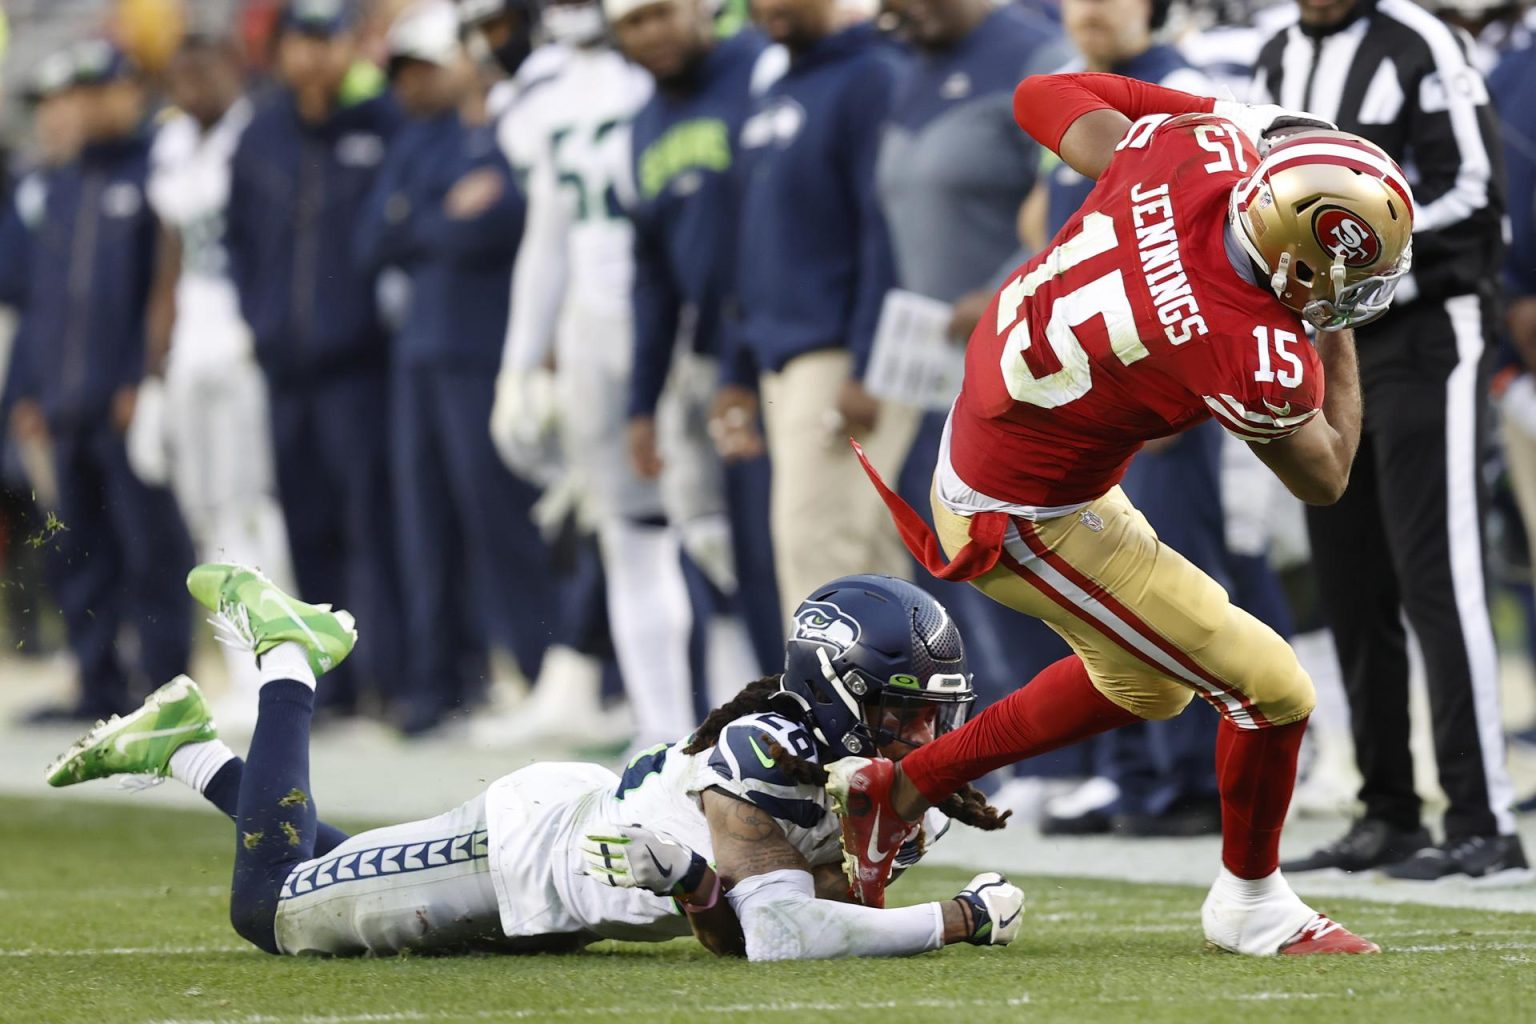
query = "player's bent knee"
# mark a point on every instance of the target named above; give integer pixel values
(1279, 689)
(1289, 697)
(255, 922)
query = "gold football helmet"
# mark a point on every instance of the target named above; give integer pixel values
(1329, 216)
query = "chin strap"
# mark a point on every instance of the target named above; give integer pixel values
(1282, 274)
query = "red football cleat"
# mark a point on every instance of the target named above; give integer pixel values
(873, 832)
(1321, 935)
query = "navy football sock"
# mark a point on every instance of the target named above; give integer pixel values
(223, 791)
(275, 820)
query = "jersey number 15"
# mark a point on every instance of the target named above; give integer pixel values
(1103, 297)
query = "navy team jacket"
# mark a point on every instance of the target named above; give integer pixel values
(460, 268)
(296, 196)
(814, 261)
(90, 261)
(687, 201)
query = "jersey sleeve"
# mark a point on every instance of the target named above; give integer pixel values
(745, 763)
(1275, 389)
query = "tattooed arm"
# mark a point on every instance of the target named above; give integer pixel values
(773, 892)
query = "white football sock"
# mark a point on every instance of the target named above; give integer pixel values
(650, 617)
(1252, 915)
(286, 661)
(195, 764)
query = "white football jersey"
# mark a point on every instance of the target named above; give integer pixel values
(566, 133)
(538, 816)
(189, 191)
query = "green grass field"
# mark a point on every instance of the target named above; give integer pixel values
(114, 914)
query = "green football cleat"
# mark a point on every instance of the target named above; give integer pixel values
(251, 613)
(140, 743)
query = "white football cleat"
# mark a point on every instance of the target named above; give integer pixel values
(1263, 917)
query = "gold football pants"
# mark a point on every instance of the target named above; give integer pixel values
(1152, 629)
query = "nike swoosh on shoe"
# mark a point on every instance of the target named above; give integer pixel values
(121, 742)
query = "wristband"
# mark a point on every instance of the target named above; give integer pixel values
(981, 920)
(708, 904)
(697, 865)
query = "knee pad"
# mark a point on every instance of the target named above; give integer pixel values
(1285, 694)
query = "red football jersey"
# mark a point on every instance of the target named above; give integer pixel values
(1131, 325)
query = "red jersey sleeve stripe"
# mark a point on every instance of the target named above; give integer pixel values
(1253, 426)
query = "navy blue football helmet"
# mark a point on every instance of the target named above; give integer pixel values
(867, 658)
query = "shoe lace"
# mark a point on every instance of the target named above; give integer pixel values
(1320, 926)
(1462, 847)
(232, 626)
(1360, 836)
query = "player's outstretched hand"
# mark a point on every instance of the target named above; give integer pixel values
(996, 909)
(632, 857)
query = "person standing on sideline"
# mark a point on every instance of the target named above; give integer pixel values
(201, 423)
(299, 178)
(92, 257)
(813, 267)
(1407, 537)
(567, 136)
(952, 232)
(446, 211)
(684, 212)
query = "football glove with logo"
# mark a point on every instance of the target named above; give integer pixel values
(634, 857)
(997, 909)
(1259, 120)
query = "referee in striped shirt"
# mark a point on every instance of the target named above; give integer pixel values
(1406, 539)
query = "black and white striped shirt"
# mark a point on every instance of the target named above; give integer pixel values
(1402, 78)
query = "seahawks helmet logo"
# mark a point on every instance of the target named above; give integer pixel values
(824, 623)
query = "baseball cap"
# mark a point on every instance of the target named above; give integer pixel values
(52, 75)
(317, 17)
(98, 62)
(617, 10)
(427, 31)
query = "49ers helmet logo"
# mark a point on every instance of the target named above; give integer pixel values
(1344, 235)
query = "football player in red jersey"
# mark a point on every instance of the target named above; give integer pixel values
(1181, 290)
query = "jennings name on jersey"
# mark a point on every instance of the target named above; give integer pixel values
(1133, 324)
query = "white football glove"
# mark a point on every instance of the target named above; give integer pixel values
(632, 857)
(997, 909)
(149, 439)
(1256, 120)
(524, 417)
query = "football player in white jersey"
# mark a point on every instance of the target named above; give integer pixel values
(567, 135)
(535, 862)
(200, 422)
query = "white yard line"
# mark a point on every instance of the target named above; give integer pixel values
(725, 1009)
(123, 951)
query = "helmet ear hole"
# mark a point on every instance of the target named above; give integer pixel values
(1304, 273)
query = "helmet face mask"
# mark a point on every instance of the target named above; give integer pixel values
(874, 662)
(1329, 217)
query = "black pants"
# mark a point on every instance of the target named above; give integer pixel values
(120, 560)
(1406, 540)
(330, 437)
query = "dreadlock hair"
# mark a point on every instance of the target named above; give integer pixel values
(968, 805)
